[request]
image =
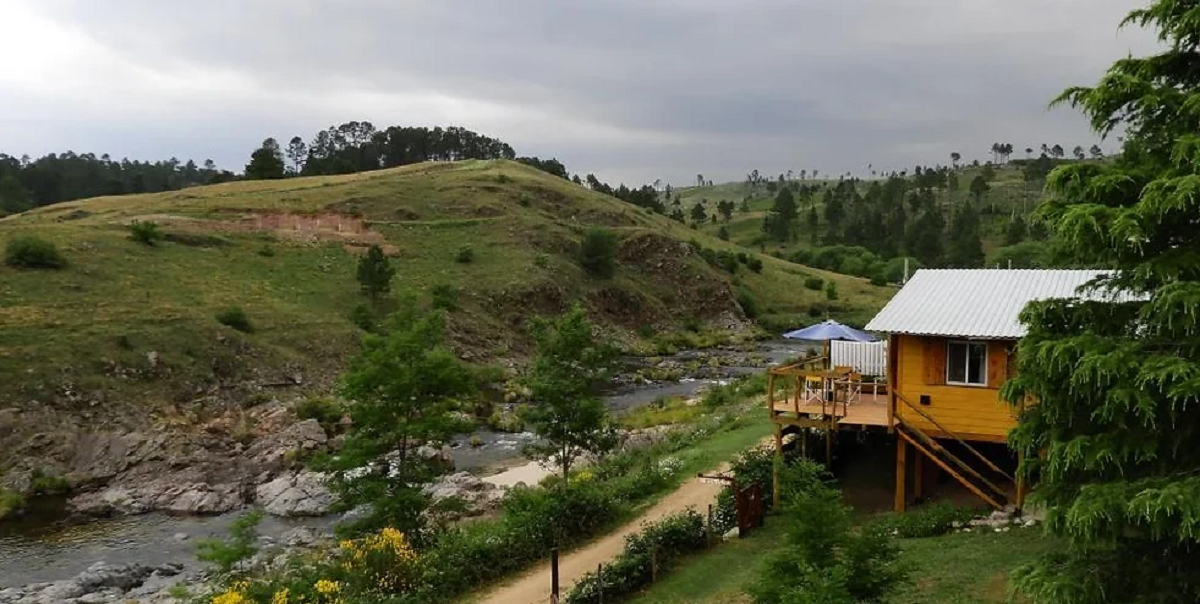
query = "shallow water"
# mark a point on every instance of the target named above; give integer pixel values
(41, 547)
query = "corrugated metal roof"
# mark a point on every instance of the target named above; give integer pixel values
(981, 303)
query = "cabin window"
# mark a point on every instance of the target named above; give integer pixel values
(966, 363)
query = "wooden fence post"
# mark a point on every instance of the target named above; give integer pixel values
(654, 564)
(600, 581)
(554, 575)
(708, 532)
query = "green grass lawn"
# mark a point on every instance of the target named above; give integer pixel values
(958, 568)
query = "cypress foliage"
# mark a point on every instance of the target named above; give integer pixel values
(1116, 380)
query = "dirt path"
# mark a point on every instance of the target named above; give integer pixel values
(534, 586)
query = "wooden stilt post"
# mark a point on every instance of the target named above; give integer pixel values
(829, 448)
(918, 475)
(778, 462)
(1020, 482)
(554, 574)
(901, 472)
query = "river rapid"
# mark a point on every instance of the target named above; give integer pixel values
(43, 547)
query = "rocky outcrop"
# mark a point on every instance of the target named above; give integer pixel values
(196, 498)
(299, 494)
(477, 495)
(273, 450)
(101, 583)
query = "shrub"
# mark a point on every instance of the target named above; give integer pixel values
(879, 280)
(658, 543)
(755, 264)
(598, 254)
(445, 296)
(266, 251)
(929, 520)
(814, 283)
(749, 305)
(27, 251)
(222, 555)
(465, 255)
(743, 258)
(10, 502)
(362, 316)
(728, 261)
(236, 318)
(42, 483)
(326, 410)
(723, 233)
(831, 292)
(541, 260)
(145, 233)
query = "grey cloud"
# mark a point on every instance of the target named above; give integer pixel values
(630, 89)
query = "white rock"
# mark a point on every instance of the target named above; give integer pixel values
(300, 494)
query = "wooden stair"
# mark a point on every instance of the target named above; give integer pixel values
(976, 480)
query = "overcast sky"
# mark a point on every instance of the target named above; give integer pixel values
(632, 90)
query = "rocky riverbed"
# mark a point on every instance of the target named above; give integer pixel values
(154, 498)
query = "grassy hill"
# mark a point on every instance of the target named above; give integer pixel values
(1009, 195)
(126, 328)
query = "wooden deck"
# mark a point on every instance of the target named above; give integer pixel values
(862, 413)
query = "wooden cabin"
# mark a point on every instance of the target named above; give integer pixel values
(952, 345)
(952, 338)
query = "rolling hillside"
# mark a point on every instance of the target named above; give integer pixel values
(125, 337)
(1009, 195)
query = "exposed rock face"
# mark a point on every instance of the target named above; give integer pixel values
(273, 450)
(479, 496)
(300, 494)
(99, 584)
(197, 498)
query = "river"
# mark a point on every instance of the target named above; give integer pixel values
(41, 547)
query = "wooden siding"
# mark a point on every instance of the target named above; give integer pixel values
(974, 411)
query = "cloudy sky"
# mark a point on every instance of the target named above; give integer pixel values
(632, 90)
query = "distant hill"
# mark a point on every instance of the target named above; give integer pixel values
(126, 335)
(1011, 194)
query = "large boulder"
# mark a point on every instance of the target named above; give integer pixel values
(478, 495)
(299, 494)
(194, 498)
(100, 583)
(274, 450)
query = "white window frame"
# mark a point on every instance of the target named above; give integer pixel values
(968, 344)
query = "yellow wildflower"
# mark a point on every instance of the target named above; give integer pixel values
(326, 587)
(230, 596)
(280, 597)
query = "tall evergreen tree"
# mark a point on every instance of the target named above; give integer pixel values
(780, 221)
(375, 272)
(965, 250)
(266, 162)
(1114, 433)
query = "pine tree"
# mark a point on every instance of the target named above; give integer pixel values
(1114, 434)
(965, 249)
(375, 273)
(779, 223)
(266, 162)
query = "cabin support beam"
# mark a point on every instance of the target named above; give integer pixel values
(918, 475)
(1020, 502)
(901, 472)
(778, 463)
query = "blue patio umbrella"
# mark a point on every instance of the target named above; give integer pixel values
(829, 330)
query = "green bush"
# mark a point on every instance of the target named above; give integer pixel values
(10, 502)
(326, 410)
(145, 233)
(814, 283)
(236, 318)
(223, 555)
(598, 253)
(661, 543)
(831, 291)
(541, 260)
(266, 251)
(749, 305)
(362, 316)
(445, 296)
(929, 520)
(879, 280)
(27, 251)
(755, 264)
(43, 483)
(465, 255)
